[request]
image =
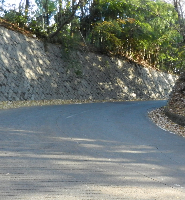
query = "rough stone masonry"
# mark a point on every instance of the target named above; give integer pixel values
(28, 72)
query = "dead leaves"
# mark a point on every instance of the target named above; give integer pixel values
(161, 120)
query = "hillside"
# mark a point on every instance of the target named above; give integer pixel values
(176, 103)
(172, 117)
(54, 77)
(29, 72)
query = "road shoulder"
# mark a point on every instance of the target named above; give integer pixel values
(161, 120)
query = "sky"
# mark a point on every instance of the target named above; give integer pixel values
(15, 3)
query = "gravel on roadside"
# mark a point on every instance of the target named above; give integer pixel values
(161, 120)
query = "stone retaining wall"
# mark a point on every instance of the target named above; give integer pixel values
(28, 72)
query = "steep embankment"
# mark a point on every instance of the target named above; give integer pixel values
(28, 72)
(175, 109)
(172, 116)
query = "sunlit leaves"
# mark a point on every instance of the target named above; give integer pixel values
(149, 29)
(108, 33)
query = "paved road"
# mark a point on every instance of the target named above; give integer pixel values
(89, 151)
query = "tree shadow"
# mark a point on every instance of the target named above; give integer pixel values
(47, 152)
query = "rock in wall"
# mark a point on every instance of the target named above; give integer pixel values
(28, 72)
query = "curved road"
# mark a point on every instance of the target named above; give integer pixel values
(89, 151)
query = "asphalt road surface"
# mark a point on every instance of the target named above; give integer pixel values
(89, 151)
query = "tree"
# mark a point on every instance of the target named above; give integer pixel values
(27, 7)
(66, 20)
(178, 5)
(143, 29)
(46, 9)
(150, 32)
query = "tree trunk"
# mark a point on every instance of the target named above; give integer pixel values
(179, 9)
(66, 21)
(27, 7)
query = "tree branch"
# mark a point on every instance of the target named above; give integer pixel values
(66, 21)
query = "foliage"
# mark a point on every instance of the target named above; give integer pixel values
(73, 63)
(38, 30)
(146, 31)
(106, 36)
(15, 17)
(45, 11)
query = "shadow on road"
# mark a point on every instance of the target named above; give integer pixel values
(50, 155)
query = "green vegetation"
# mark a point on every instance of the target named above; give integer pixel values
(146, 31)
